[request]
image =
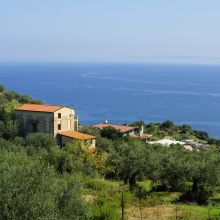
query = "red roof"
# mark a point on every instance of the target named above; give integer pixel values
(38, 108)
(76, 135)
(120, 128)
(143, 136)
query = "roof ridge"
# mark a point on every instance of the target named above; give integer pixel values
(39, 107)
(76, 135)
(42, 104)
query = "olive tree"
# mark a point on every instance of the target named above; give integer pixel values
(129, 161)
(31, 190)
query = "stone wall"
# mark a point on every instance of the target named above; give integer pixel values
(31, 122)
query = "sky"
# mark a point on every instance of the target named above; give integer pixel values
(114, 30)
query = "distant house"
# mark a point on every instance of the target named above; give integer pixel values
(60, 121)
(142, 136)
(124, 129)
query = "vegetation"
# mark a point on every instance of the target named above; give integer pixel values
(178, 132)
(9, 100)
(40, 180)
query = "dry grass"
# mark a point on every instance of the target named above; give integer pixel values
(162, 212)
(89, 197)
(172, 212)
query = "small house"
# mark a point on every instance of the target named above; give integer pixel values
(124, 129)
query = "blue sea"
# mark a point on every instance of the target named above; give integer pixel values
(122, 92)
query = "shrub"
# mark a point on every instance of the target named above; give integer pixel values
(60, 159)
(94, 184)
(41, 140)
(200, 196)
(2, 88)
(105, 207)
(167, 125)
(111, 133)
(30, 190)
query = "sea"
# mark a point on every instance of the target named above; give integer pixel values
(124, 92)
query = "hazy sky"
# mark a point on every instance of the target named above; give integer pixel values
(114, 30)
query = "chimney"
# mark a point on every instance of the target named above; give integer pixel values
(141, 131)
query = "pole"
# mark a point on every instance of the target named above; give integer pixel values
(122, 206)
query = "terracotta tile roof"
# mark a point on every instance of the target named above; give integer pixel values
(120, 128)
(76, 135)
(143, 136)
(38, 108)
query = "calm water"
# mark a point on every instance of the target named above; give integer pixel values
(124, 93)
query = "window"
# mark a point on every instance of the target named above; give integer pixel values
(59, 115)
(59, 126)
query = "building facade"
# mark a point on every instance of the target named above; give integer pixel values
(34, 118)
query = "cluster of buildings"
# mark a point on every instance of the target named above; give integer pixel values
(63, 123)
(187, 144)
(126, 130)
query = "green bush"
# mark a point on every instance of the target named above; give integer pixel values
(60, 159)
(111, 133)
(105, 207)
(94, 184)
(30, 190)
(41, 141)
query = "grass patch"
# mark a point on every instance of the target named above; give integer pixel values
(198, 212)
(146, 185)
(104, 199)
(100, 184)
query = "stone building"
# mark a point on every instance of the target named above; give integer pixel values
(46, 118)
(53, 119)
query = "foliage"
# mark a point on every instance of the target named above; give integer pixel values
(27, 99)
(179, 132)
(59, 159)
(130, 161)
(9, 129)
(30, 190)
(194, 173)
(167, 125)
(203, 170)
(41, 140)
(105, 207)
(102, 144)
(94, 184)
(36, 169)
(9, 100)
(111, 133)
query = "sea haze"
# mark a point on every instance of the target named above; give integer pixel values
(123, 93)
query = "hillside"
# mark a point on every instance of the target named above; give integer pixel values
(125, 179)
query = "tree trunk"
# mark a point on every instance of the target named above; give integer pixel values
(125, 180)
(132, 182)
(195, 185)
